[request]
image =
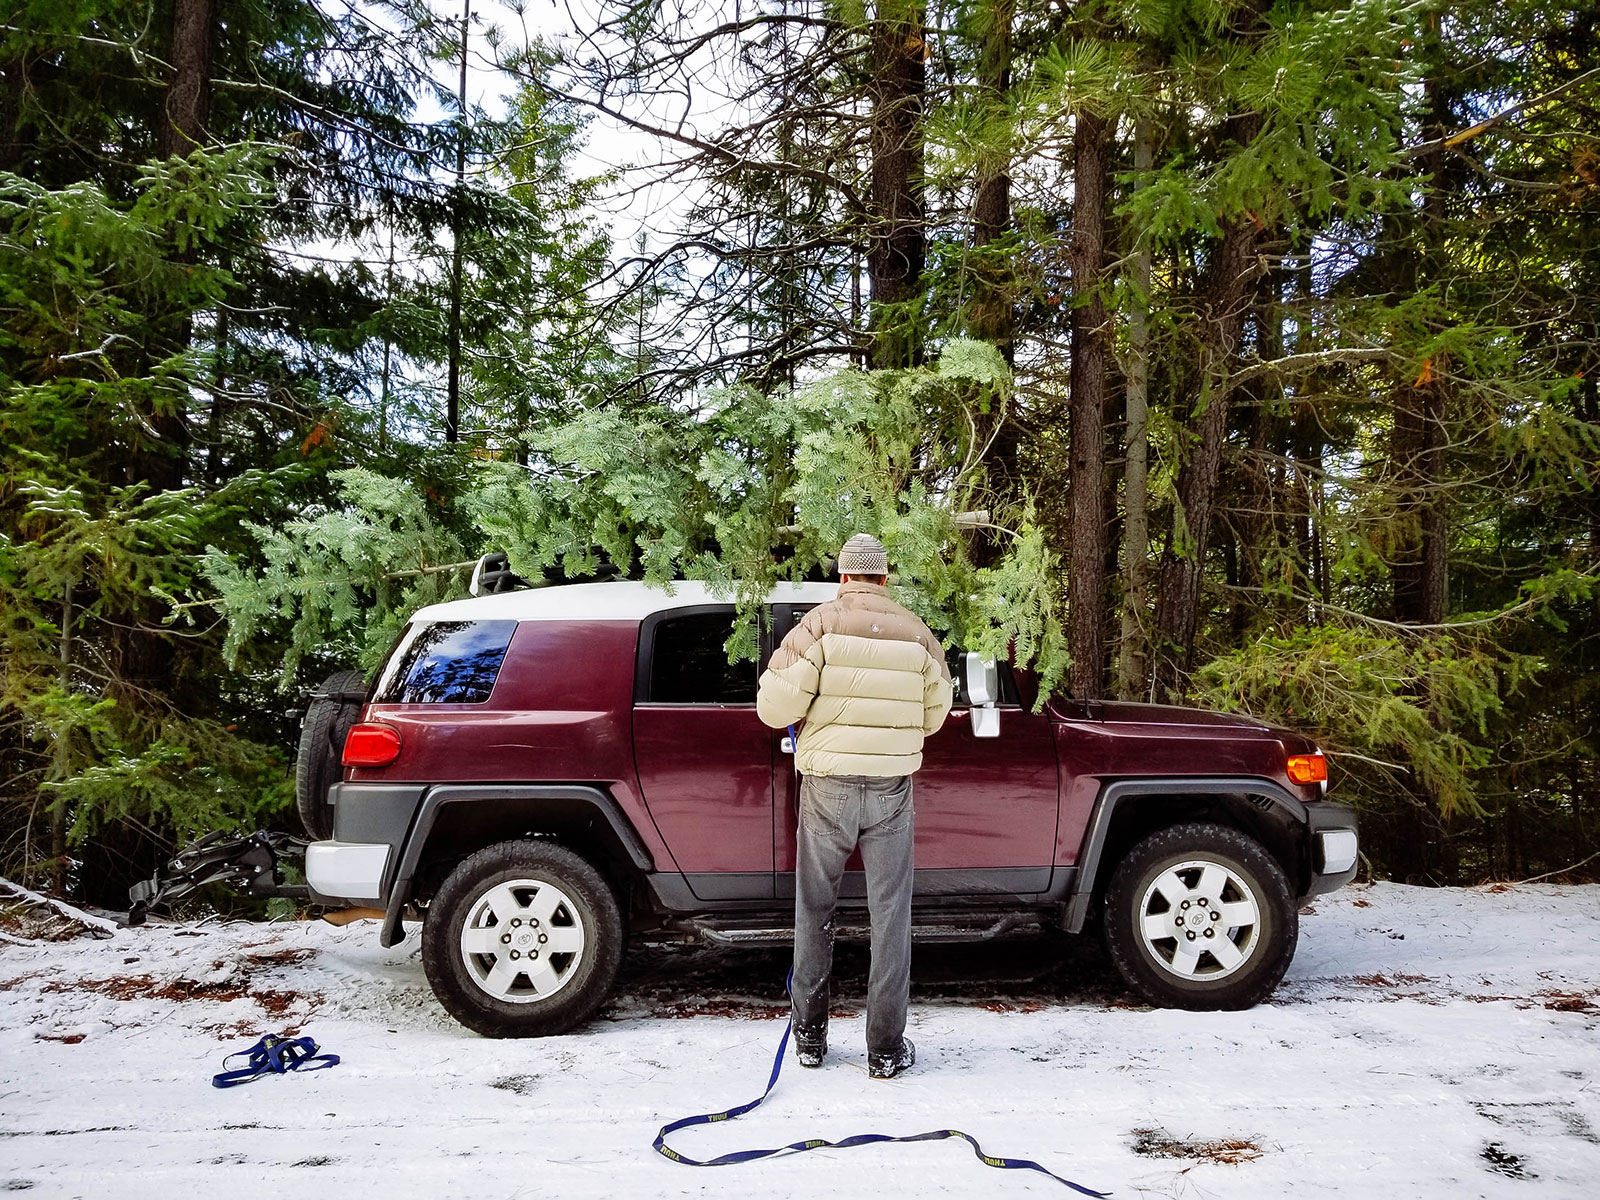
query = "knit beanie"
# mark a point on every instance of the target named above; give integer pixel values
(863, 554)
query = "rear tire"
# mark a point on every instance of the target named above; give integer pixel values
(317, 764)
(524, 939)
(1201, 917)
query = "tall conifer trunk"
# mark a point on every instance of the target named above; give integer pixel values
(989, 312)
(183, 129)
(1086, 580)
(1418, 551)
(1420, 566)
(1421, 563)
(145, 669)
(1229, 288)
(12, 85)
(452, 401)
(189, 92)
(896, 245)
(990, 316)
(1135, 494)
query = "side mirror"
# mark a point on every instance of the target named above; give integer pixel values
(983, 692)
(983, 679)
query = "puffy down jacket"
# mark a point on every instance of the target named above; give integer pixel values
(868, 679)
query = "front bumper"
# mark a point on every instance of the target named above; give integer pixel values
(1335, 846)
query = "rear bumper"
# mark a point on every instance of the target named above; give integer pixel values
(370, 822)
(340, 871)
(1335, 846)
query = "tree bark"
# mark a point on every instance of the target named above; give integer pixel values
(896, 241)
(13, 84)
(219, 384)
(61, 765)
(1087, 570)
(1589, 410)
(452, 404)
(388, 349)
(1418, 561)
(990, 315)
(189, 92)
(1135, 488)
(1256, 491)
(143, 667)
(1228, 289)
(1420, 564)
(992, 278)
(163, 464)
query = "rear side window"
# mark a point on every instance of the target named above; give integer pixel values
(444, 662)
(689, 663)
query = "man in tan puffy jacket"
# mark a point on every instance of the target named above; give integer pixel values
(869, 681)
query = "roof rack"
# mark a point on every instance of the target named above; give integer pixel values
(494, 575)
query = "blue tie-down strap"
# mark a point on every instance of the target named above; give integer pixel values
(274, 1055)
(860, 1139)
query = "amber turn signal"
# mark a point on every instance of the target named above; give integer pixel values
(1304, 768)
(371, 745)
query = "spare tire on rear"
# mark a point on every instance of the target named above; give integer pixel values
(335, 706)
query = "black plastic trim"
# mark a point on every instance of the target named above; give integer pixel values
(997, 889)
(1324, 814)
(479, 793)
(371, 813)
(1112, 794)
(974, 882)
(730, 885)
(672, 892)
(374, 812)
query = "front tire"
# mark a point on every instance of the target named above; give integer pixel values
(524, 939)
(1201, 917)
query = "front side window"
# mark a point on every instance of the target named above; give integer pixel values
(444, 662)
(689, 662)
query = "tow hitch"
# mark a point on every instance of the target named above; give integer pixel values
(249, 863)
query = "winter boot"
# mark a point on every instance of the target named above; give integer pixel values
(887, 1066)
(810, 1045)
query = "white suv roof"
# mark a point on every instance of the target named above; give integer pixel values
(607, 601)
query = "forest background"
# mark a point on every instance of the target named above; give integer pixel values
(1215, 351)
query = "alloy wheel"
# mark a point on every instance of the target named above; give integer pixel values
(1199, 920)
(522, 941)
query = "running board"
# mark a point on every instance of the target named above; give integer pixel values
(941, 931)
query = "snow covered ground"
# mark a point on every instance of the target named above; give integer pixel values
(1426, 1043)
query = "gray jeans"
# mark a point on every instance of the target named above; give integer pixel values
(838, 813)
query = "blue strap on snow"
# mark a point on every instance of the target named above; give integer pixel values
(274, 1055)
(860, 1139)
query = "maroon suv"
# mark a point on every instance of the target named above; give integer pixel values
(539, 772)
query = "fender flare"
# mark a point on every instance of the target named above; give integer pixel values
(484, 793)
(1114, 793)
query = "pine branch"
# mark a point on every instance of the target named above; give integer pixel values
(1454, 140)
(1292, 363)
